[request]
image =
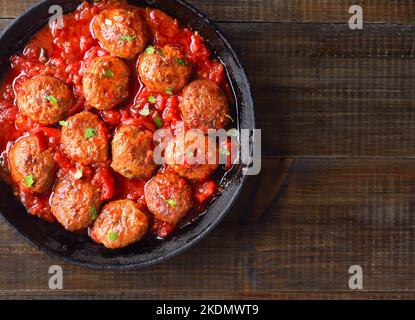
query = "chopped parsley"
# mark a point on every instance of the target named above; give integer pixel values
(89, 133)
(224, 151)
(171, 202)
(63, 123)
(108, 73)
(158, 122)
(145, 112)
(150, 50)
(78, 174)
(93, 214)
(181, 62)
(151, 99)
(112, 236)
(52, 100)
(29, 180)
(127, 38)
(169, 91)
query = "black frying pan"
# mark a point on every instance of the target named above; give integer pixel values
(53, 239)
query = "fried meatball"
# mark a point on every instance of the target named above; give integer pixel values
(132, 152)
(168, 196)
(84, 139)
(75, 203)
(123, 32)
(119, 224)
(45, 99)
(164, 69)
(195, 158)
(105, 83)
(204, 106)
(31, 167)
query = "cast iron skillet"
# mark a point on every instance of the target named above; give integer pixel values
(80, 250)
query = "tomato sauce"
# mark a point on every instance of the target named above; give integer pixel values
(65, 53)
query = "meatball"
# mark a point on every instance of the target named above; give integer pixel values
(119, 224)
(123, 32)
(132, 153)
(31, 167)
(75, 203)
(164, 69)
(204, 106)
(105, 83)
(45, 99)
(84, 139)
(168, 196)
(195, 158)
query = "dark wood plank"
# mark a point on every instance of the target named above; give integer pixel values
(329, 215)
(333, 11)
(324, 90)
(4, 23)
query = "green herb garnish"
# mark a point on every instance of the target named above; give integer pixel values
(150, 50)
(63, 123)
(89, 133)
(78, 174)
(52, 100)
(127, 38)
(158, 122)
(224, 151)
(112, 236)
(171, 202)
(93, 214)
(181, 62)
(108, 73)
(29, 180)
(169, 91)
(144, 112)
(151, 99)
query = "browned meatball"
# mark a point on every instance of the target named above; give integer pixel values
(45, 99)
(132, 152)
(75, 203)
(204, 106)
(105, 83)
(120, 224)
(164, 69)
(121, 31)
(84, 139)
(168, 196)
(194, 158)
(31, 167)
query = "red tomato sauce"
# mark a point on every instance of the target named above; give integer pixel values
(64, 53)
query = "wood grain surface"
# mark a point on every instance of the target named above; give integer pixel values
(338, 181)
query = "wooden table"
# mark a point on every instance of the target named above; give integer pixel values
(337, 110)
